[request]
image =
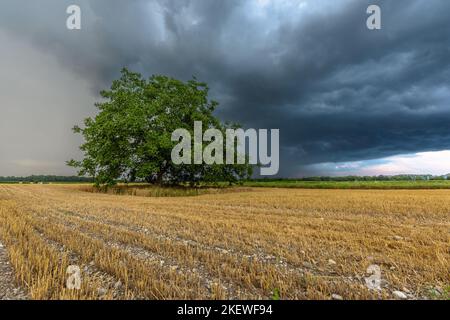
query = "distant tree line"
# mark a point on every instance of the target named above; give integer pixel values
(45, 178)
(52, 178)
(402, 177)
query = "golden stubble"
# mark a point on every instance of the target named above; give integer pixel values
(305, 244)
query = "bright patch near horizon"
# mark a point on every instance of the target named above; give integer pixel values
(435, 163)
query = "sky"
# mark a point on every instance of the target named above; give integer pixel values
(347, 100)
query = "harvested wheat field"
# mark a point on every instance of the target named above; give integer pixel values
(249, 244)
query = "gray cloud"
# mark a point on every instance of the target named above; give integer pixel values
(337, 91)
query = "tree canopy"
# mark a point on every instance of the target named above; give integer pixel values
(130, 137)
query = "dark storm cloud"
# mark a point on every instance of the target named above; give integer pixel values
(337, 91)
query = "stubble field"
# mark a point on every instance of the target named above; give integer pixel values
(255, 243)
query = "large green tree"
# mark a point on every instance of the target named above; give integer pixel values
(130, 138)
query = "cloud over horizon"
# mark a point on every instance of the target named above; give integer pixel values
(434, 163)
(338, 92)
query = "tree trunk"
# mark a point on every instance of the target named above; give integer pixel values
(159, 178)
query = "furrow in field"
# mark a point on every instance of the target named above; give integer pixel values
(294, 247)
(153, 281)
(38, 267)
(237, 273)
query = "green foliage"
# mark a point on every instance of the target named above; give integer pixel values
(276, 294)
(130, 138)
(439, 294)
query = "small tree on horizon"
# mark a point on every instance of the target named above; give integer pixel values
(130, 137)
